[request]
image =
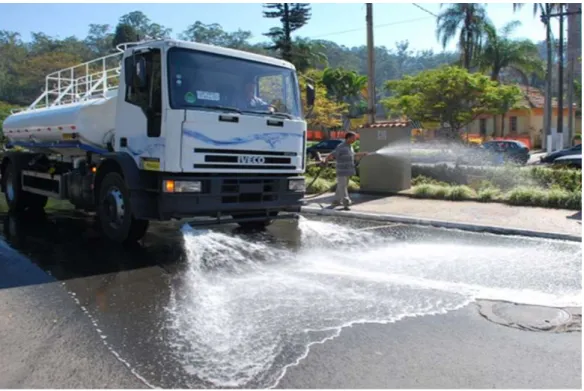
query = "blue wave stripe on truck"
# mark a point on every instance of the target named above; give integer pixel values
(60, 144)
(270, 138)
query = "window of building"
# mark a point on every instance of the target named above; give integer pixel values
(513, 124)
(483, 126)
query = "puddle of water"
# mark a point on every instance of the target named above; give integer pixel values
(245, 309)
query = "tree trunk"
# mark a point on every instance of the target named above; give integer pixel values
(287, 47)
(468, 46)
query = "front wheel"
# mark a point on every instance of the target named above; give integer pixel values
(115, 211)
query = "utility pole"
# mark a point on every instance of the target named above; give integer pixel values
(560, 110)
(547, 111)
(561, 78)
(574, 43)
(370, 65)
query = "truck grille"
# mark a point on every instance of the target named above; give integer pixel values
(221, 159)
(249, 190)
(233, 159)
(244, 167)
(243, 152)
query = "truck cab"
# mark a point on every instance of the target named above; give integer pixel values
(198, 130)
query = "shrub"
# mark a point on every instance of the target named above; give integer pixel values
(458, 193)
(430, 191)
(506, 177)
(319, 186)
(488, 194)
(526, 196)
(420, 180)
(554, 198)
(353, 186)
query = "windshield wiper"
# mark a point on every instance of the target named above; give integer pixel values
(273, 114)
(224, 108)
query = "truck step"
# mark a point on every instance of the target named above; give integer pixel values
(42, 184)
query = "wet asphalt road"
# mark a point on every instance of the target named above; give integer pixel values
(80, 312)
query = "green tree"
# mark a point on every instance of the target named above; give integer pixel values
(349, 88)
(501, 52)
(13, 54)
(213, 34)
(470, 19)
(144, 26)
(124, 33)
(345, 86)
(99, 39)
(292, 16)
(326, 114)
(449, 95)
(307, 54)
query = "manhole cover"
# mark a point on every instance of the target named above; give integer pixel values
(525, 317)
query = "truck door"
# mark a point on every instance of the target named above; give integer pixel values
(139, 122)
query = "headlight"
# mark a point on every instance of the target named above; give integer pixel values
(296, 184)
(170, 186)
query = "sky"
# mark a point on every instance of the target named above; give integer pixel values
(342, 23)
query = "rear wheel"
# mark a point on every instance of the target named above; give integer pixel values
(17, 199)
(115, 211)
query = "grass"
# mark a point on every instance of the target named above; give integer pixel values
(486, 191)
(453, 193)
(505, 178)
(552, 198)
(322, 185)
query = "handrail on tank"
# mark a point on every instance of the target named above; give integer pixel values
(88, 80)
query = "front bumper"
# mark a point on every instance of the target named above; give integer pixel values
(245, 196)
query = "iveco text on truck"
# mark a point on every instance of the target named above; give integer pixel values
(161, 130)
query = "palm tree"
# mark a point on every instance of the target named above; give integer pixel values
(306, 54)
(501, 52)
(545, 9)
(470, 19)
(347, 87)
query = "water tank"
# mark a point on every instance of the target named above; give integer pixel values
(89, 123)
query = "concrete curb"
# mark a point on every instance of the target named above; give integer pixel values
(440, 224)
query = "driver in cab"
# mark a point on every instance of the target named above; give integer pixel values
(250, 100)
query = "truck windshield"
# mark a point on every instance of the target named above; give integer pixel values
(205, 80)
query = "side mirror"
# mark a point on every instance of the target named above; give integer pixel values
(135, 73)
(310, 95)
(140, 80)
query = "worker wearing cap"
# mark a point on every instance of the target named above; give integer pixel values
(345, 167)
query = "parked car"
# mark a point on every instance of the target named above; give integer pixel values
(323, 147)
(572, 161)
(497, 152)
(551, 157)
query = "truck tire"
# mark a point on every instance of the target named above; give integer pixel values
(114, 211)
(17, 199)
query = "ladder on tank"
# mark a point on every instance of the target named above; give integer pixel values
(86, 81)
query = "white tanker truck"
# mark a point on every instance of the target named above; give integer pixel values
(163, 130)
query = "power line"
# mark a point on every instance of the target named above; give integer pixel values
(363, 28)
(425, 10)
